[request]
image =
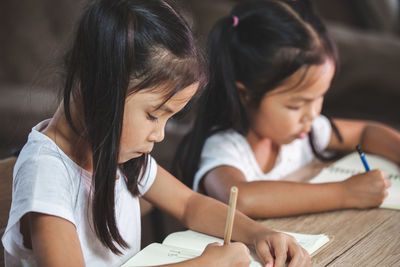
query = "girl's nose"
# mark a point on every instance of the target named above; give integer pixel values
(158, 134)
(312, 112)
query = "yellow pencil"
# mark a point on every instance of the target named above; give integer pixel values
(231, 215)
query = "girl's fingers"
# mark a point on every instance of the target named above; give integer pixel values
(299, 257)
(264, 252)
(387, 182)
(280, 255)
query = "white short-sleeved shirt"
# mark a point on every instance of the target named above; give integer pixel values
(232, 149)
(46, 180)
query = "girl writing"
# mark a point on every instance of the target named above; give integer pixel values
(271, 62)
(76, 184)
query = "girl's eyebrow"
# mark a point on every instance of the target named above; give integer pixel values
(164, 108)
(301, 98)
(305, 99)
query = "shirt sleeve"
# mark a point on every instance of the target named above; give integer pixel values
(149, 175)
(41, 185)
(322, 129)
(219, 149)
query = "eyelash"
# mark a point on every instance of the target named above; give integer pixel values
(151, 117)
(293, 108)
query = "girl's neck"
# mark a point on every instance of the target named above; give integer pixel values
(264, 149)
(74, 146)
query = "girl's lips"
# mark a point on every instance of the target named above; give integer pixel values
(302, 135)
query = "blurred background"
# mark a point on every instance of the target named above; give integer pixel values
(34, 35)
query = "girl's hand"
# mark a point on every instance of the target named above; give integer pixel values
(283, 248)
(235, 254)
(366, 190)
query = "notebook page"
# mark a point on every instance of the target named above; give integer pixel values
(351, 165)
(311, 243)
(157, 254)
(180, 246)
(191, 240)
(197, 241)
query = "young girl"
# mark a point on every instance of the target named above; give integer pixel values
(271, 62)
(77, 180)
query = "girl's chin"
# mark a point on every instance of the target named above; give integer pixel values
(129, 157)
(287, 141)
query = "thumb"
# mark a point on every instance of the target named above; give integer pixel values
(214, 244)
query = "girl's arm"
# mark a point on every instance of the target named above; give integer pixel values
(263, 199)
(207, 215)
(54, 240)
(374, 137)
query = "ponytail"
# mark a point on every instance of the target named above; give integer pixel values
(260, 44)
(219, 105)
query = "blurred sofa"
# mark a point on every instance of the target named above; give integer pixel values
(35, 33)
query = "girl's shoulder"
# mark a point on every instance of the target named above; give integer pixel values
(322, 129)
(222, 138)
(321, 123)
(226, 143)
(42, 159)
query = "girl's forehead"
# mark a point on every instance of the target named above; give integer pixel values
(309, 80)
(159, 97)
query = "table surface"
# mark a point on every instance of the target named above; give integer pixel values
(369, 237)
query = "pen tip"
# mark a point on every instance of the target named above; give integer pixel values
(358, 148)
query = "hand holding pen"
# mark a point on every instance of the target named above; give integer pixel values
(368, 189)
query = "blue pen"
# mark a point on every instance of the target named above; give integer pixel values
(362, 156)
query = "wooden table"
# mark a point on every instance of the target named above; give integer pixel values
(369, 237)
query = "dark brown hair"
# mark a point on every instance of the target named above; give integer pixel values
(270, 41)
(121, 47)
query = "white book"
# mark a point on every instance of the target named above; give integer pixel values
(185, 245)
(352, 164)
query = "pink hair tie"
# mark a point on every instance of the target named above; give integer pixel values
(235, 21)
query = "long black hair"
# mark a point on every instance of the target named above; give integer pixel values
(121, 47)
(260, 44)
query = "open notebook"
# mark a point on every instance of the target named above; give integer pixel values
(351, 165)
(180, 246)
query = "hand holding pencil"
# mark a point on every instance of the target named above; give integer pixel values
(235, 254)
(272, 247)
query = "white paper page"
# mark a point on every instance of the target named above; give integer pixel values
(191, 240)
(311, 243)
(157, 254)
(180, 246)
(351, 165)
(197, 241)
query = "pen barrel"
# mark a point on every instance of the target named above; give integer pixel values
(231, 215)
(364, 161)
(362, 157)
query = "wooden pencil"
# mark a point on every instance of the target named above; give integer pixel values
(231, 215)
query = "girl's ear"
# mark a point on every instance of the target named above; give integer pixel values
(242, 93)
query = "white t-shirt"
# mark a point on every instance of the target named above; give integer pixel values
(232, 149)
(46, 180)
